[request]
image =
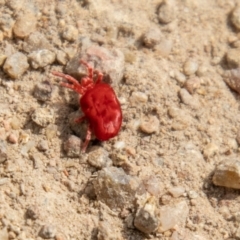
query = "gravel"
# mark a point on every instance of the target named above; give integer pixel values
(41, 58)
(15, 65)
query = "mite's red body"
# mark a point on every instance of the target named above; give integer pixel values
(99, 104)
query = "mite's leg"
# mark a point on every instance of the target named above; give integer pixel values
(99, 76)
(89, 68)
(87, 140)
(75, 85)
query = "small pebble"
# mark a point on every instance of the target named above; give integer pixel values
(152, 37)
(6, 23)
(202, 70)
(62, 57)
(235, 17)
(115, 188)
(70, 33)
(232, 78)
(171, 216)
(24, 137)
(192, 84)
(24, 25)
(16, 65)
(51, 131)
(190, 67)
(32, 212)
(153, 185)
(164, 48)
(138, 97)
(36, 158)
(3, 151)
(27, 147)
(35, 41)
(227, 174)
(150, 125)
(119, 145)
(180, 77)
(43, 145)
(99, 158)
(43, 116)
(41, 58)
(167, 11)
(47, 232)
(72, 146)
(13, 138)
(146, 219)
(233, 58)
(15, 123)
(210, 150)
(43, 91)
(188, 99)
(192, 194)
(176, 191)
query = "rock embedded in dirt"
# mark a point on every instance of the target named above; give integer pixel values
(72, 146)
(192, 84)
(6, 23)
(12, 138)
(32, 212)
(15, 65)
(152, 37)
(167, 11)
(43, 145)
(35, 41)
(227, 174)
(70, 33)
(232, 78)
(24, 25)
(43, 116)
(188, 99)
(80, 129)
(179, 77)
(210, 150)
(176, 191)
(138, 97)
(235, 17)
(153, 185)
(43, 91)
(146, 219)
(3, 151)
(99, 158)
(48, 231)
(115, 188)
(190, 67)
(171, 216)
(41, 58)
(150, 125)
(233, 58)
(62, 57)
(109, 62)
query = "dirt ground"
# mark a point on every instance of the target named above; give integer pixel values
(180, 119)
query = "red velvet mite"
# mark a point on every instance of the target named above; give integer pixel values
(99, 104)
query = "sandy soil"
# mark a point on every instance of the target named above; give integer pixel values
(180, 119)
